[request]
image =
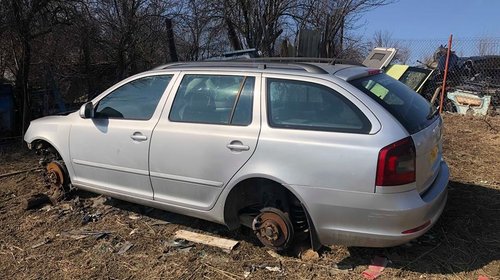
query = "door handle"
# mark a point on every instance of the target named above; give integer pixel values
(237, 146)
(137, 136)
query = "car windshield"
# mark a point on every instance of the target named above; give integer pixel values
(407, 106)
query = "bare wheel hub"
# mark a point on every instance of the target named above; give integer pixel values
(57, 178)
(273, 228)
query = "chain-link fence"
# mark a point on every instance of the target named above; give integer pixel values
(473, 79)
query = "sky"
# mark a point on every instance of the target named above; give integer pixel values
(434, 19)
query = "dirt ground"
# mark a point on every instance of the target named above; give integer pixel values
(81, 238)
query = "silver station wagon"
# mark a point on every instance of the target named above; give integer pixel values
(340, 154)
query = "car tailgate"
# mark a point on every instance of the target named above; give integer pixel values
(428, 145)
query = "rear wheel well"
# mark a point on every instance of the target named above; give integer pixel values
(252, 195)
(260, 192)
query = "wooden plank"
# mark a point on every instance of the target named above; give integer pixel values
(226, 244)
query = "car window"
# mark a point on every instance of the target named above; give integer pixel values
(305, 105)
(214, 99)
(413, 78)
(136, 100)
(407, 106)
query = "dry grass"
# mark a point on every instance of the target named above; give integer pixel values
(464, 244)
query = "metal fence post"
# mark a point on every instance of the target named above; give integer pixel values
(443, 89)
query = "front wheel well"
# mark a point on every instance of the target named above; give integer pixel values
(40, 144)
(46, 150)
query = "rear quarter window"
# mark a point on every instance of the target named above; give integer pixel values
(310, 106)
(407, 106)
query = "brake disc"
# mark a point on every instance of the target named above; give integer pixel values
(273, 228)
(57, 178)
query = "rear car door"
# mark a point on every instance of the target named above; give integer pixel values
(110, 151)
(209, 132)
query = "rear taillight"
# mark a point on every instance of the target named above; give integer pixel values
(396, 163)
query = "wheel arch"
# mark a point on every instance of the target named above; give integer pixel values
(233, 197)
(42, 140)
(58, 148)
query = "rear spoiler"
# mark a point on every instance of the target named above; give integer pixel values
(353, 73)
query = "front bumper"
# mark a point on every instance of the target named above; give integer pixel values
(373, 219)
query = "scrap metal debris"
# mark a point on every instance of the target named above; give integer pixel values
(179, 245)
(87, 218)
(375, 269)
(249, 269)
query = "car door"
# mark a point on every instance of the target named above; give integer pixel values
(206, 136)
(110, 150)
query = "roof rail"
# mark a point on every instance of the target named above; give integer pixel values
(331, 61)
(311, 68)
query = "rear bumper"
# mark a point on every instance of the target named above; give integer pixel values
(373, 219)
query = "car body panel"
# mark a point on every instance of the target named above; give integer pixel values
(55, 131)
(429, 149)
(104, 154)
(191, 163)
(325, 157)
(379, 219)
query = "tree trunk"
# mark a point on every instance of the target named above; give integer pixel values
(21, 88)
(231, 33)
(87, 65)
(171, 41)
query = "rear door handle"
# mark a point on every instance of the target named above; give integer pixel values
(137, 136)
(237, 146)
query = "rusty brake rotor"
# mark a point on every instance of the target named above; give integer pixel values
(273, 228)
(56, 176)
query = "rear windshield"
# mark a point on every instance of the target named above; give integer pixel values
(407, 106)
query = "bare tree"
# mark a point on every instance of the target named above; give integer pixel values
(81, 47)
(27, 21)
(200, 30)
(259, 23)
(335, 18)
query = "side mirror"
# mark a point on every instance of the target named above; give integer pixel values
(87, 111)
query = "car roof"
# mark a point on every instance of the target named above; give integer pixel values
(313, 68)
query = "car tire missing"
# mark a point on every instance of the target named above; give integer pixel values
(274, 228)
(55, 174)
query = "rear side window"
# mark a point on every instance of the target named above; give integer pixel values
(304, 105)
(407, 106)
(214, 99)
(136, 100)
